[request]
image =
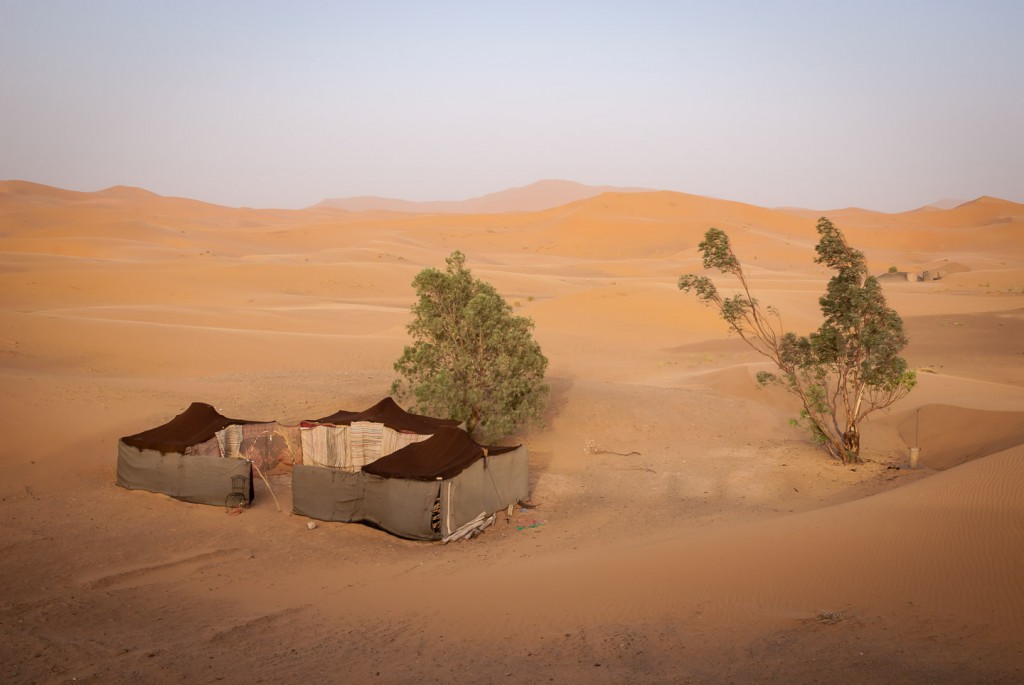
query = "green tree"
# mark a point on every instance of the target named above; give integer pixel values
(472, 359)
(847, 369)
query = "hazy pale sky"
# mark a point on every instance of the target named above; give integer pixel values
(886, 105)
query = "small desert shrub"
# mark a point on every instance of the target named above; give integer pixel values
(830, 617)
(847, 369)
(471, 358)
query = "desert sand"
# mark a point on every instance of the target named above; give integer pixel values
(722, 548)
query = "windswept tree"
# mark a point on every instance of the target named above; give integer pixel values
(472, 359)
(843, 372)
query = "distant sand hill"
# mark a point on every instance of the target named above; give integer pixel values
(536, 196)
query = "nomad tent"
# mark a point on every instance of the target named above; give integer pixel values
(423, 491)
(350, 440)
(185, 457)
(415, 476)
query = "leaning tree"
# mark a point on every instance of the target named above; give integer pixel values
(841, 373)
(471, 359)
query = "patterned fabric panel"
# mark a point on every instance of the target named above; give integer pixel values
(325, 446)
(229, 439)
(365, 442)
(210, 448)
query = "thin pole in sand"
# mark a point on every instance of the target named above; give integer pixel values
(268, 485)
(915, 451)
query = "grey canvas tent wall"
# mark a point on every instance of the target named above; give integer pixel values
(182, 458)
(423, 491)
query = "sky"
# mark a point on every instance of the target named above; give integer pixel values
(884, 105)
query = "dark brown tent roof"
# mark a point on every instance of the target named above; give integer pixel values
(443, 455)
(391, 415)
(195, 425)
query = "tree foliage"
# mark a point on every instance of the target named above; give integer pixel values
(472, 359)
(844, 371)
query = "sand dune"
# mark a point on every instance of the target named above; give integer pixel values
(531, 198)
(723, 548)
(955, 435)
(862, 553)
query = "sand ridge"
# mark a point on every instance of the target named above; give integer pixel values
(724, 548)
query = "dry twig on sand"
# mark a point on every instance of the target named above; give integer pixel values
(591, 447)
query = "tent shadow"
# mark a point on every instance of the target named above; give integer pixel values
(558, 399)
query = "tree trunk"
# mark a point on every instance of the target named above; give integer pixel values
(851, 445)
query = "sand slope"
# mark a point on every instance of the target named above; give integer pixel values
(723, 548)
